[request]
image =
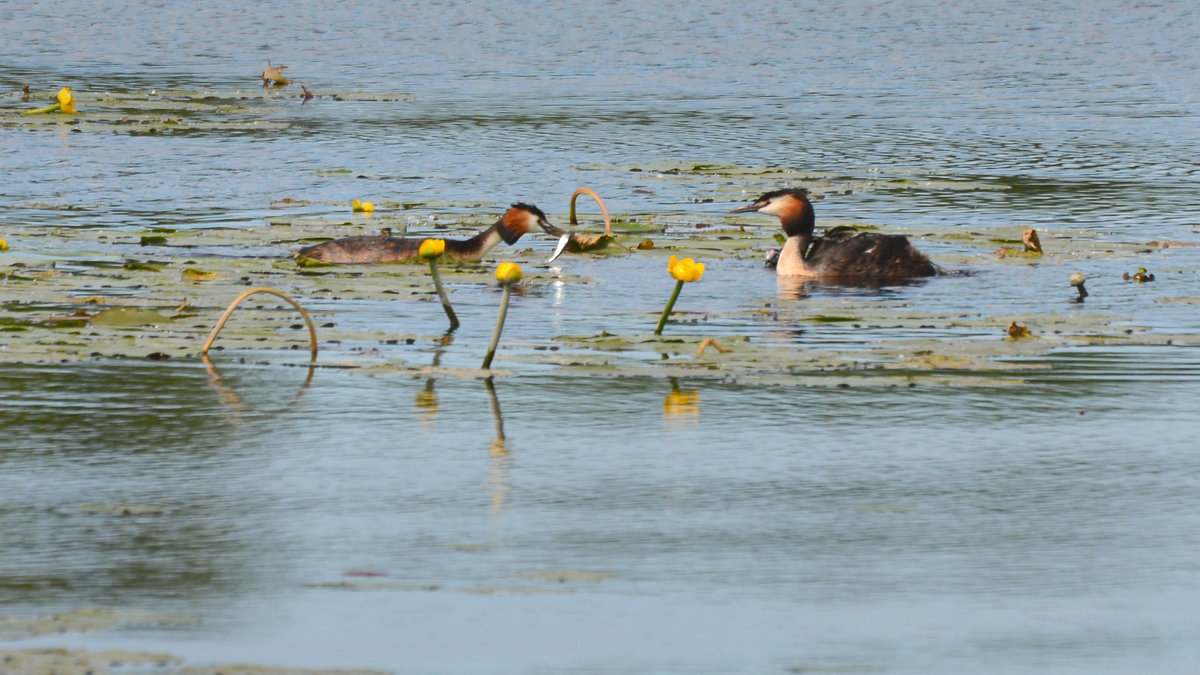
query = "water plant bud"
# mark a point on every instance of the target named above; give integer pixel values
(508, 273)
(432, 248)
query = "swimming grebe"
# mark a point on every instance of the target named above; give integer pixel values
(843, 252)
(520, 219)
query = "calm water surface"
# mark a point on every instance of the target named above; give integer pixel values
(560, 523)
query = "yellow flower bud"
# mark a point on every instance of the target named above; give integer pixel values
(432, 248)
(66, 101)
(368, 207)
(686, 269)
(356, 205)
(508, 273)
(3, 244)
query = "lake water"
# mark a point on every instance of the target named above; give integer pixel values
(561, 519)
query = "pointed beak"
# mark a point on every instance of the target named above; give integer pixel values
(550, 229)
(745, 209)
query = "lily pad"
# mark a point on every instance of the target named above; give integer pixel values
(119, 317)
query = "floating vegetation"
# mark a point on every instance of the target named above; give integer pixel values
(170, 112)
(85, 620)
(81, 294)
(1140, 276)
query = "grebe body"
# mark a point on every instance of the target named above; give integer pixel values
(842, 252)
(519, 220)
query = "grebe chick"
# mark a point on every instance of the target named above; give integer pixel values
(843, 252)
(520, 219)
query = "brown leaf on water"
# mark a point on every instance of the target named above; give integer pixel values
(1017, 332)
(1032, 243)
(273, 76)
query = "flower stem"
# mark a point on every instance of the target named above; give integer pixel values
(487, 360)
(670, 304)
(437, 282)
(39, 111)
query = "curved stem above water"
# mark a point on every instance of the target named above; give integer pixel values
(603, 208)
(312, 331)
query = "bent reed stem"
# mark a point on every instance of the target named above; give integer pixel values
(312, 331)
(603, 208)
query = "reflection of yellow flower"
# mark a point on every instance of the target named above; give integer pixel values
(686, 269)
(432, 248)
(681, 403)
(427, 400)
(66, 101)
(508, 273)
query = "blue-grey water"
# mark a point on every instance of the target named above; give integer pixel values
(556, 522)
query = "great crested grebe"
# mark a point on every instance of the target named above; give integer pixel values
(843, 252)
(520, 219)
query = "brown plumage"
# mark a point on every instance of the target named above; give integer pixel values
(520, 219)
(843, 252)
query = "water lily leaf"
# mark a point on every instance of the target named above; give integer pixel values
(194, 275)
(117, 317)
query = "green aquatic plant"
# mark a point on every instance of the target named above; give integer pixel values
(430, 250)
(684, 271)
(507, 274)
(66, 104)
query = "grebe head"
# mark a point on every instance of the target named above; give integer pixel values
(792, 206)
(522, 218)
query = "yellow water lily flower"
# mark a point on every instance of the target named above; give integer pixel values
(356, 206)
(3, 244)
(686, 269)
(66, 102)
(368, 207)
(432, 248)
(508, 273)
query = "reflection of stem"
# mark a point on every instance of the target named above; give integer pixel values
(230, 398)
(498, 469)
(437, 282)
(603, 209)
(495, 403)
(487, 360)
(670, 305)
(312, 331)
